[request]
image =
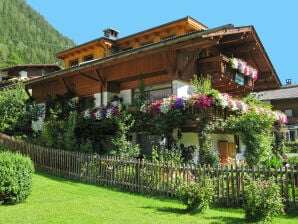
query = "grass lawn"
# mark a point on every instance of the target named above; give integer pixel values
(56, 200)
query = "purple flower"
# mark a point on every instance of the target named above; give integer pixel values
(178, 104)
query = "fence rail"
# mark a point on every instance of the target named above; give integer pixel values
(151, 178)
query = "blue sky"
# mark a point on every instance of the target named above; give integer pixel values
(274, 21)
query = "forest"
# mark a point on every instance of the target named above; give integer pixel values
(26, 37)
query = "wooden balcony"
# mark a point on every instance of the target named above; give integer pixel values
(224, 78)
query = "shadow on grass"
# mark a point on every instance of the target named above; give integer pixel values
(217, 219)
(108, 188)
(227, 220)
(172, 210)
(213, 219)
(57, 178)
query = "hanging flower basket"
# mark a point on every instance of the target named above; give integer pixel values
(243, 68)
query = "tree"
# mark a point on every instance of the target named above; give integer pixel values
(14, 108)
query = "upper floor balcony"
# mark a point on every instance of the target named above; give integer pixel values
(224, 77)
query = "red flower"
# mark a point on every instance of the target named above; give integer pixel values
(223, 160)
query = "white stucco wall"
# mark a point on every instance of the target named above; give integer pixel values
(97, 99)
(106, 97)
(181, 89)
(188, 139)
(126, 95)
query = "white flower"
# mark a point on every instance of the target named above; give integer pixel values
(164, 107)
(223, 100)
(98, 115)
(234, 105)
(109, 113)
(86, 114)
(143, 108)
(244, 107)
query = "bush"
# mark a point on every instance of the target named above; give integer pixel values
(262, 200)
(2, 148)
(293, 160)
(16, 174)
(197, 196)
(291, 147)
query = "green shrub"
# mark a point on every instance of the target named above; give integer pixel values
(262, 200)
(273, 162)
(2, 148)
(16, 174)
(291, 147)
(197, 196)
(293, 160)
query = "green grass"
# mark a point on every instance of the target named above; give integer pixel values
(56, 200)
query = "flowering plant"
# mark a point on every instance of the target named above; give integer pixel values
(200, 101)
(243, 68)
(194, 101)
(102, 113)
(164, 106)
(226, 101)
(203, 101)
(262, 200)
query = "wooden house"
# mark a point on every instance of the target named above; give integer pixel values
(166, 57)
(162, 56)
(284, 99)
(25, 72)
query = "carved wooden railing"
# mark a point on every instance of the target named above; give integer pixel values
(219, 66)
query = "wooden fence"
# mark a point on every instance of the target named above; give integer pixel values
(151, 178)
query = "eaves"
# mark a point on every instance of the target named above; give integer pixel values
(123, 54)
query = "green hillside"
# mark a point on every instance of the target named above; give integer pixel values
(26, 37)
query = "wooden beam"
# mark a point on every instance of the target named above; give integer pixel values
(88, 76)
(196, 43)
(190, 58)
(28, 93)
(224, 40)
(242, 46)
(101, 77)
(170, 59)
(143, 75)
(68, 88)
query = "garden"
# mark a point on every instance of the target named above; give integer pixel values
(58, 200)
(96, 132)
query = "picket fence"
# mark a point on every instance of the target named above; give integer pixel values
(152, 178)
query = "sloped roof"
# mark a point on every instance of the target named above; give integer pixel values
(24, 66)
(155, 45)
(285, 92)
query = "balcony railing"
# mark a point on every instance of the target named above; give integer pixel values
(219, 66)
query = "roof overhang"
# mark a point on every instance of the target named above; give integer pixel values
(195, 36)
(243, 42)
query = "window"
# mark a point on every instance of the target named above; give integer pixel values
(88, 57)
(169, 37)
(113, 50)
(126, 49)
(86, 103)
(146, 43)
(73, 62)
(289, 112)
(292, 135)
(157, 92)
(160, 93)
(239, 79)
